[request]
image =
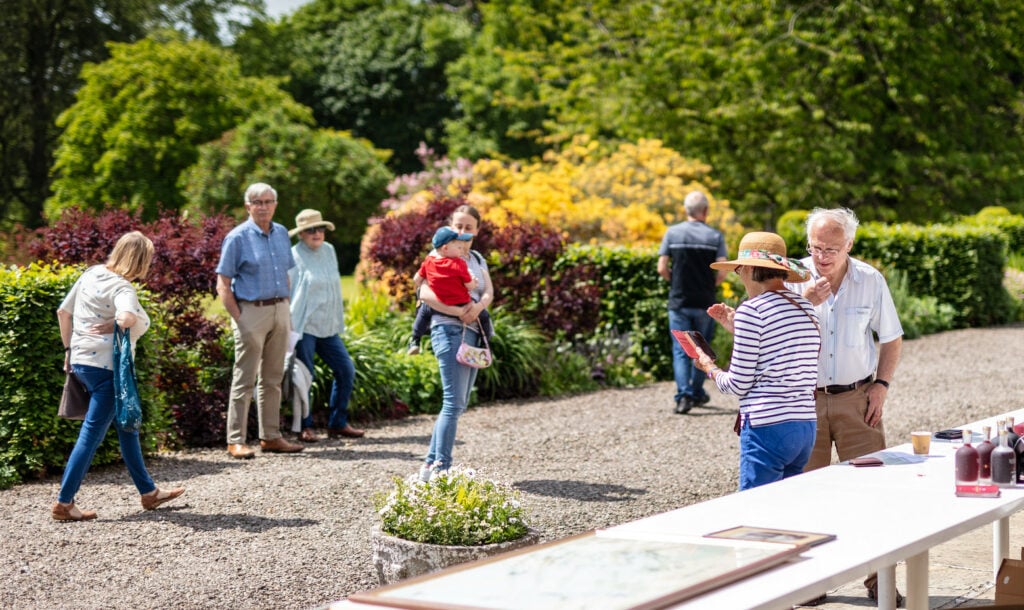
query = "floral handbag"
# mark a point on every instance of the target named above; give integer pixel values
(476, 357)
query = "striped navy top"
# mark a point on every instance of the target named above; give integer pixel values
(774, 367)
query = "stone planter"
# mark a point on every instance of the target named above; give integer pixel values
(397, 559)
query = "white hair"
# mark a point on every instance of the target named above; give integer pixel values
(695, 203)
(844, 218)
(257, 189)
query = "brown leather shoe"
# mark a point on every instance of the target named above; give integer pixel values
(70, 512)
(240, 452)
(156, 497)
(279, 445)
(308, 435)
(347, 431)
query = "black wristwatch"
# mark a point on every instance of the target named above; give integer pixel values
(883, 383)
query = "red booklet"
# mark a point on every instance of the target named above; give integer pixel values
(691, 341)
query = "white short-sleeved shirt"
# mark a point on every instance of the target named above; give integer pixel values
(97, 297)
(862, 306)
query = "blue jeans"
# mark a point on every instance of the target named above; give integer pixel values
(775, 452)
(100, 383)
(332, 351)
(456, 383)
(689, 379)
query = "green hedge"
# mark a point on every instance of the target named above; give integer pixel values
(33, 439)
(961, 265)
(634, 300)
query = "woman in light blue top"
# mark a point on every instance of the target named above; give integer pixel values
(318, 315)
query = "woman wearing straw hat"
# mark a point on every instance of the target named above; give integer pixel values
(318, 315)
(774, 367)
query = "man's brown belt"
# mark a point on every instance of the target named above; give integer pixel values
(839, 389)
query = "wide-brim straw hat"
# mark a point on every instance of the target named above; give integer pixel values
(309, 219)
(763, 249)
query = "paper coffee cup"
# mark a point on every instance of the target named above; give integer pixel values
(922, 440)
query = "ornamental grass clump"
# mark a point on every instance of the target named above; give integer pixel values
(457, 507)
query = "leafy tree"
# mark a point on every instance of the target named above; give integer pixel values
(342, 177)
(887, 107)
(43, 45)
(375, 68)
(140, 117)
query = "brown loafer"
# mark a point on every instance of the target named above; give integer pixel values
(70, 512)
(347, 431)
(308, 435)
(240, 452)
(279, 445)
(156, 497)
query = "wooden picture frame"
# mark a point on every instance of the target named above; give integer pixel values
(768, 534)
(597, 569)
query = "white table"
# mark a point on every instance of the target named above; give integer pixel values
(880, 516)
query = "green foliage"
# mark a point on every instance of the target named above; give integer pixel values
(374, 68)
(957, 264)
(42, 50)
(633, 300)
(567, 371)
(792, 226)
(326, 170)
(457, 507)
(918, 315)
(32, 437)
(1011, 225)
(795, 105)
(140, 117)
(519, 357)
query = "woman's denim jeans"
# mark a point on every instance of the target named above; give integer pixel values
(332, 351)
(100, 383)
(456, 383)
(775, 452)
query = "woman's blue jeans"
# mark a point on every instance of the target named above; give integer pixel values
(332, 351)
(456, 383)
(100, 383)
(775, 452)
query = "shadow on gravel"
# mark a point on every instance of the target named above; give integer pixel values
(420, 439)
(578, 490)
(346, 455)
(711, 411)
(178, 515)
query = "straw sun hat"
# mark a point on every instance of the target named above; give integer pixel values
(309, 219)
(762, 249)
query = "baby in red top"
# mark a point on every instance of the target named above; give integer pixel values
(447, 274)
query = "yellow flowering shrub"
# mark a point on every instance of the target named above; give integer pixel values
(627, 196)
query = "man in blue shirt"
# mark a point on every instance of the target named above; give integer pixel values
(252, 282)
(684, 260)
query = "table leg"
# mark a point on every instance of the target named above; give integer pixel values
(917, 582)
(887, 588)
(1000, 544)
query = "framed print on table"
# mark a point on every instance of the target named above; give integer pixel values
(592, 570)
(767, 534)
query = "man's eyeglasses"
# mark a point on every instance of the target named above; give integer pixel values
(262, 202)
(314, 230)
(822, 252)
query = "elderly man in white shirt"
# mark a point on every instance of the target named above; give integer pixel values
(853, 304)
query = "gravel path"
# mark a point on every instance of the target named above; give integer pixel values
(293, 531)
